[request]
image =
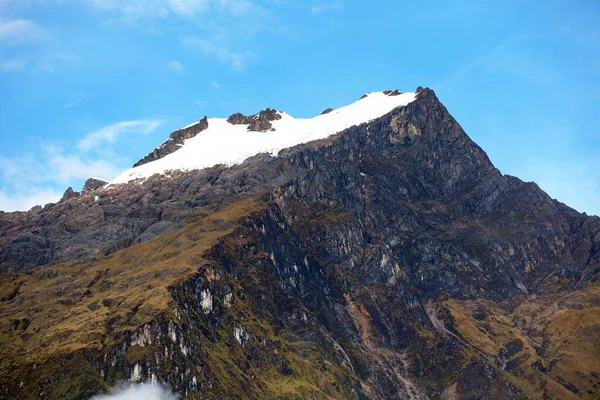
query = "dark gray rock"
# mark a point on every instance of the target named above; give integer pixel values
(93, 184)
(69, 194)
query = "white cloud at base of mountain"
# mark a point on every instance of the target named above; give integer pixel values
(142, 391)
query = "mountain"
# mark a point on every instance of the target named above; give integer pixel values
(372, 252)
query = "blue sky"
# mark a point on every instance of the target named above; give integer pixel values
(88, 87)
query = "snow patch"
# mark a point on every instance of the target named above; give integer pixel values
(224, 143)
(206, 301)
(241, 335)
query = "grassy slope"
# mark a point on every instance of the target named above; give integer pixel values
(563, 327)
(52, 317)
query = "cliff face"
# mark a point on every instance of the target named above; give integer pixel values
(389, 261)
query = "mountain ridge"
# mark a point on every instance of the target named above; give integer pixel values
(393, 257)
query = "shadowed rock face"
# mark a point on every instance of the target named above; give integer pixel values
(174, 142)
(390, 247)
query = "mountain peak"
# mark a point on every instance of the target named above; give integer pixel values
(230, 141)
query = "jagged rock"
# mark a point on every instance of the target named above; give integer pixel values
(259, 122)
(394, 92)
(69, 194)
(238, 119)
(35, 209)
(176, 139)
(93, 184)
(327, 111)
(364, 96)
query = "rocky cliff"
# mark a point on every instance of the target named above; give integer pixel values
(389, 261)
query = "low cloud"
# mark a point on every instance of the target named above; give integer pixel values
(143, 391)
(41, 176)
(25, 201)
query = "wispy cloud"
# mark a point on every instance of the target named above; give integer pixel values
(24, 36)
(11, 65)
(337, 6)
(21, 31)
(77, 98)
(25, 201)
(38, 179)
(42, 175)
(509, 58)
(237, 60)
(110, 133)
(176, 66)
(50, 63)
(215, 85)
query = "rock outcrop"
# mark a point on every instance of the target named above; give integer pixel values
(93, 184)
(69, 194)
(260, 122)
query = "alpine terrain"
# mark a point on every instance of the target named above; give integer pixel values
(370, 252)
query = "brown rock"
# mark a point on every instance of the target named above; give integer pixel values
(394, 92)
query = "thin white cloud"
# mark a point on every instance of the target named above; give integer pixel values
(507, 59)
(237, 60)
(11, 65)
(52, 62)
(110, 133)
(76, 100)
(215, 85)
(52, 166)
(25, 201)
(176, 66)
(330, 6)
(39, 179)
(140, 9)
(21, 31)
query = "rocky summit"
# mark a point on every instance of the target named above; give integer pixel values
(383, 257)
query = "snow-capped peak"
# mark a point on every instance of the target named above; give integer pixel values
(225, 143)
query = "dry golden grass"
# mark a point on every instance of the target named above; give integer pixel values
(72, 306)
(567, 324)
